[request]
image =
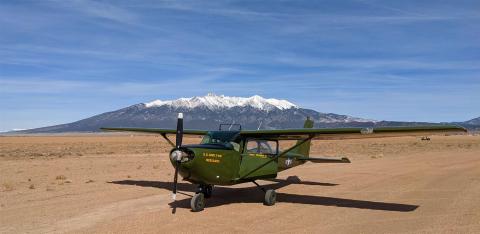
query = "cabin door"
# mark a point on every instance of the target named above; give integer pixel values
(256, 153)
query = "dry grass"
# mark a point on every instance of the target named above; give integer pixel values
(7, 187)
(60, 177)
(78, 146)
(98, 206)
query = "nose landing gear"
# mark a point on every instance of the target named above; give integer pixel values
(198, 200)
(206, 190)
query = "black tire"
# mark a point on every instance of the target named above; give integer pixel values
(270, 197)
(198, 202)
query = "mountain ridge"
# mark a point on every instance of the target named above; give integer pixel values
(207, 112)
(213, 101)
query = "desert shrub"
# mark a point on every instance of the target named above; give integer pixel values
(7, 187)
(61, 177)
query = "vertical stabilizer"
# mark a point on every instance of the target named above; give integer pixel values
(304, 149)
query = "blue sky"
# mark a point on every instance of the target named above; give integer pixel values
(61, 61)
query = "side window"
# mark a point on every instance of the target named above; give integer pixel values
(265, 147)
(252, 146)
(235, 145)
(262, 146)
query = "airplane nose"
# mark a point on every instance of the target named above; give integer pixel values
(182, 155)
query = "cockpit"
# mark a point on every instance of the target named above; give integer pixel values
(228, 139)
(259, 146)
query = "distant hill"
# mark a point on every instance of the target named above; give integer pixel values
(475, 121)
(472, 125)
(209, 111)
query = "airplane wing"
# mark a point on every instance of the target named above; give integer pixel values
(352, 133)
(157, 130)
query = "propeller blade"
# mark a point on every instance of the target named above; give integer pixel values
(178, 144)
(179, 131)
(175, 177)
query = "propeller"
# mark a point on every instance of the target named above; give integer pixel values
(178, 156)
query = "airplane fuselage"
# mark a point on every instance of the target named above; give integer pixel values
(217, 164)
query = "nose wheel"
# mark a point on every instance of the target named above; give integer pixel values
(198, 200)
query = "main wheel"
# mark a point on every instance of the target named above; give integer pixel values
(198, 202)
(270, 197)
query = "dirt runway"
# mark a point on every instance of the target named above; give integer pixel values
(122, 183)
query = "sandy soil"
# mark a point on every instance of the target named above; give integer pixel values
(98, 184)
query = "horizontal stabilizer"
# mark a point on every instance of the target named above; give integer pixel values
(326, 160)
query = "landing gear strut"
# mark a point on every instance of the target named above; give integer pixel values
(198, 200)
(206, 189)
(270, 195)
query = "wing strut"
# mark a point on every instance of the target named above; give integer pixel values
(279, 155)
(164, 135)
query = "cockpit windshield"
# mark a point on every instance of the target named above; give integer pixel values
(228, 139)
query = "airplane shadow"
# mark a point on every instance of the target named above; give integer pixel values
(227, 195)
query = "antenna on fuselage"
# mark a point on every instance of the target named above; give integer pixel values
(231, 125)
(259, 125)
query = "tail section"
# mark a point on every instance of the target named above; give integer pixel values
(304, 149)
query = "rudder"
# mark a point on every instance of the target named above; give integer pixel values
(304, 148)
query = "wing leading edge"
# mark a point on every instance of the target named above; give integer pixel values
(157, 130)
(319, 133)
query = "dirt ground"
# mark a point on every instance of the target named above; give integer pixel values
(122, 183)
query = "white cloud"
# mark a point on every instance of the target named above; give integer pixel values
(100, 9)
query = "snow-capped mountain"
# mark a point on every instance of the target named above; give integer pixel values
(207, 112)
(215, 102)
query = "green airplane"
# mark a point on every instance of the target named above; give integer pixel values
(227, 157)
